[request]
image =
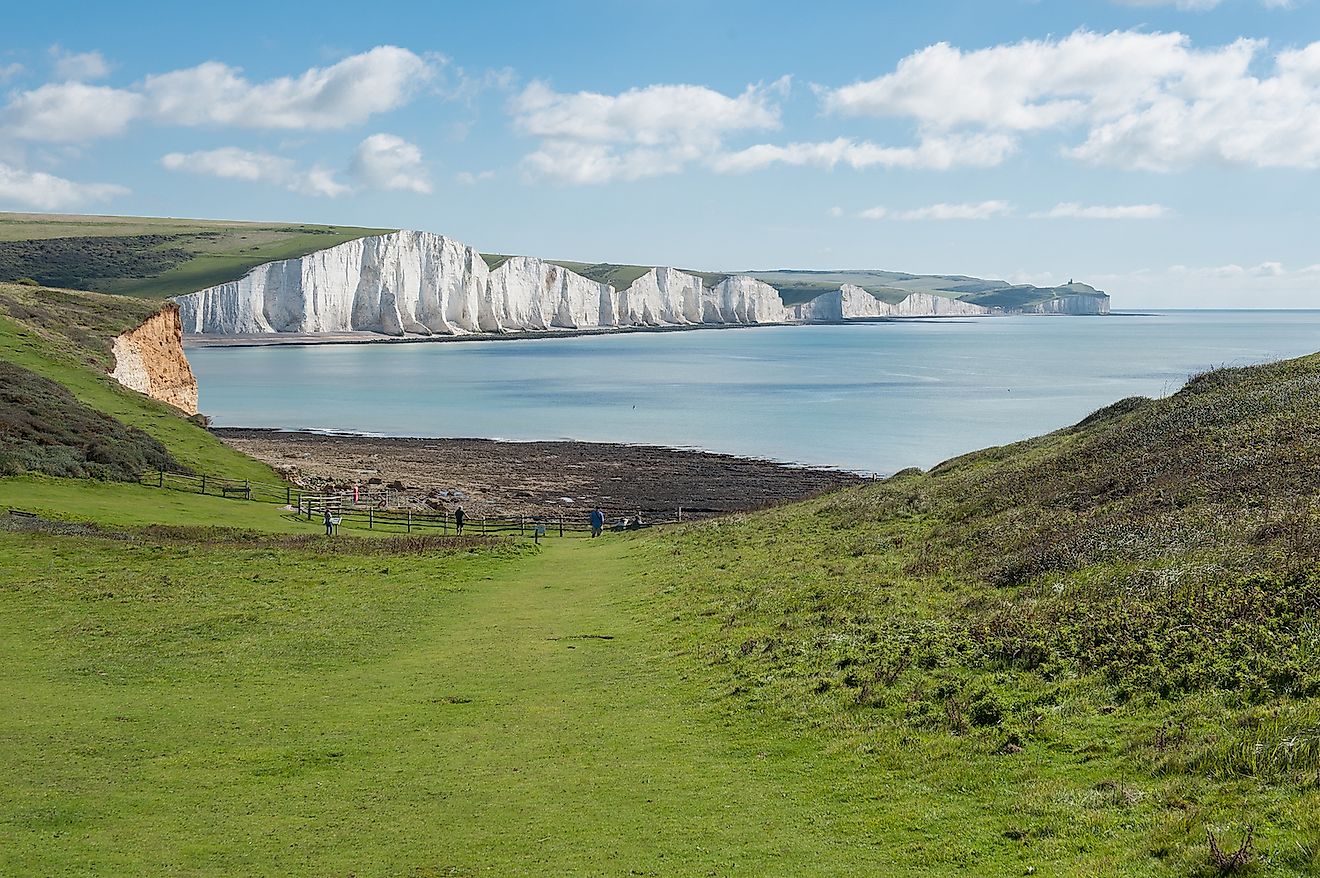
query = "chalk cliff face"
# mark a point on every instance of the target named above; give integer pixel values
(530, 294)
(415, 282)
(742, 299)
(845, 303)
(420, 283)
(150, 360)
(931, 305)
(851, 303)
(1072, 305)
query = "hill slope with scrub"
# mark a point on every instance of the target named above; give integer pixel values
(1096, 652)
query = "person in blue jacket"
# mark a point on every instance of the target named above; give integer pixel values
(597, 522)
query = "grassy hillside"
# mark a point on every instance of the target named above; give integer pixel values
(1109, 637)
(1086, 654)
(65, 336)
(149, 257)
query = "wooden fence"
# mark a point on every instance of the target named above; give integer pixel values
(369, 511)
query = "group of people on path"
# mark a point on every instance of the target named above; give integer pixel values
(597, 519)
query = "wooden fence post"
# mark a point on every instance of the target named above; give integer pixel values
(288, 496)
(409, 521)
(561, 524)
(680, 513)
(371, 518)
(203, 483)
(160, 482)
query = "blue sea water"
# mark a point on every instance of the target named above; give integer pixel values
(874, 397)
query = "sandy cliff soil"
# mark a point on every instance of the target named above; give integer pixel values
(150, 360)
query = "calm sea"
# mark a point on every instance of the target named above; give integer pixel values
(873, 397)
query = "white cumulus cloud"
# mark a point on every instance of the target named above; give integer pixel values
(587, 137)
(42, 191)
(1072, 210)
(1129, 99)
(384, 161)
(70, 112)
(78, 65)
(344, 94)
(978, 210)
(213, 93)
(932, 153)
(232, 163)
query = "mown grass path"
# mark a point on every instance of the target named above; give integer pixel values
(173, 710)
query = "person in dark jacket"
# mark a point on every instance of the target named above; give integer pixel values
(459, 516)
(329, 523)
(597, 522)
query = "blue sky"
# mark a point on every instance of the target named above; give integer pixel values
(1166, 151)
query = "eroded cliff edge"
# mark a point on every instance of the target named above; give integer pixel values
(414, 283)
(150, 360)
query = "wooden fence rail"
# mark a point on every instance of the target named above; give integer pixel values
(368, 516)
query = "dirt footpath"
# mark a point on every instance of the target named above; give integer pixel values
(535, 478)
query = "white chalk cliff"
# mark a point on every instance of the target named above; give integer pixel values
(421, 283)
(853, 303)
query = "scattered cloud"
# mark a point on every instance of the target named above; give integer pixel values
(469, 178)
(43, 191)
(979, 210)
(966, 211)
(384, 161)
(70, 112)
(1072, 210)
(1202, 5)
(1145, 101)
(334, 97)
(232, 163)
(588, 137)
(9, 71)
(933, 153)
(338, 96)
(79, 66)
(836, 211)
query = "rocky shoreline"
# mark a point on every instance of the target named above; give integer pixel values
(489, 477)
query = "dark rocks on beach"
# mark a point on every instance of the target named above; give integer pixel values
(534, 478)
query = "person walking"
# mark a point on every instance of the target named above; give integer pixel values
(329, 523)
(459, 515)
(597, 522)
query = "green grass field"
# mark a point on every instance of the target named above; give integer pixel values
(1094, 653)
(219, 709)
(151, 257)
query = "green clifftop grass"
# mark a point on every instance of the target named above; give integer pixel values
(65, 336)
(151, 257)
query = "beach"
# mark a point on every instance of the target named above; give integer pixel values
(489, 477)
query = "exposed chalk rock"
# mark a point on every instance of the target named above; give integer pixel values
(1081, 304)
(527, 293)
(742, 299)
(931, 305)
(404, 282)
(421, 283)
(662, 296)
(846, 303)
